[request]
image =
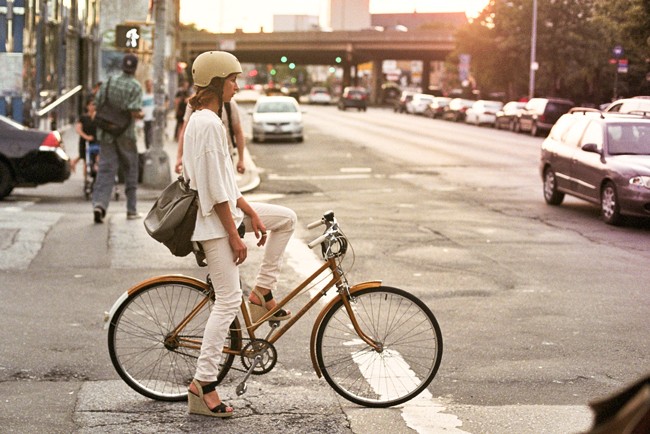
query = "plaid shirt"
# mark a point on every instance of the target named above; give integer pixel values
(124, 92)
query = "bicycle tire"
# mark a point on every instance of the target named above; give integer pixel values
(411, 355)
(136, 339)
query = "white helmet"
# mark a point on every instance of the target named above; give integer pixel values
(214, 64)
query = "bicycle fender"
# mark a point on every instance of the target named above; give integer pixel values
(319, 319)
(108, 316)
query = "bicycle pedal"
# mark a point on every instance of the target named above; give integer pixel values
(274, 324)
(241, 389)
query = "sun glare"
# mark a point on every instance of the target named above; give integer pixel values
(255, 15)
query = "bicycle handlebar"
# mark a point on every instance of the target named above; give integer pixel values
(317, 241)
(328, 220)
(315, 224)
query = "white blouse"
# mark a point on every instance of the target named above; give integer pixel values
(208, 165)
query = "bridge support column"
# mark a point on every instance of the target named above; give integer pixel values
(426, 75)
(377, 81)
(347, 76)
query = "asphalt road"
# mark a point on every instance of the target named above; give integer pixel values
(542, 309)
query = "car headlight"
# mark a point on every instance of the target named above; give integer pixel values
(640, 181)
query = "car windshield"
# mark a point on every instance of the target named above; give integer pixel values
(629, 139)
(276, 106)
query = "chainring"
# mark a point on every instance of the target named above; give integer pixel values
(263, 348)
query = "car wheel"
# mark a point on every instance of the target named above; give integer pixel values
(299, 139)
(534, 131)
(516, 127)
(609, 207)
(6, 180)
(551, 195)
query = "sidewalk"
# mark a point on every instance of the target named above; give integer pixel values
(246, 182)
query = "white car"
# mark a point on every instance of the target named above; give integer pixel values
(277, 117)
(628, 105)
(419, 103)
(320, 95)
(483, 112)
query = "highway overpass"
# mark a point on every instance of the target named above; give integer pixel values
(322, 48)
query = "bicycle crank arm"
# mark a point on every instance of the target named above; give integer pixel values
(241, 387)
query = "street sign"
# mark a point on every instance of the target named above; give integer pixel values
(622, 66)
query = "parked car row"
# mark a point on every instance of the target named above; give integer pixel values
(535, 117)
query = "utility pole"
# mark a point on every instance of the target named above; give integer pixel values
(533, 53)
(156, 172)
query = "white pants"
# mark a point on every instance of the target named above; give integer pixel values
(280, 223)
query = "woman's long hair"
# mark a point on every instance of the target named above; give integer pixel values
(205, 95)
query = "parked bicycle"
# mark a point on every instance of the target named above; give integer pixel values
(376, 345)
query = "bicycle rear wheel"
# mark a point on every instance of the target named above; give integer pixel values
(411, 347)
(142, 350)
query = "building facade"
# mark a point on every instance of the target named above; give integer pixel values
(48, 53)
(53, 52)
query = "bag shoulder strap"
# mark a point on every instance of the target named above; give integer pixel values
(230, 130)
(108, 86)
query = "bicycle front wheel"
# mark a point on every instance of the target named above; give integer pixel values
(411, 347)
(146, 353)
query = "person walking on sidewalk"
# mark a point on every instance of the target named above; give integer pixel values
(148, 111)
(125, 93)
(222, 211)
(180, 104)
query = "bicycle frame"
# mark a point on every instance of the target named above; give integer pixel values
(337, 280)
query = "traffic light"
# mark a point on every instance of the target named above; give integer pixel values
(283, 59)
(127, 36)
(338, 59)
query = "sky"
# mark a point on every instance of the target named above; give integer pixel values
(224, 16)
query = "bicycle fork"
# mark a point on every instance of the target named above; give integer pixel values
(348, 299)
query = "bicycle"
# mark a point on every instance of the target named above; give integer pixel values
(376, 345)
(90, 175)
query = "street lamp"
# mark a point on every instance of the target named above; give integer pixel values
(533, 53)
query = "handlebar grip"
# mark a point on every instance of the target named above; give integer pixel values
(315, 224)
(317, 241)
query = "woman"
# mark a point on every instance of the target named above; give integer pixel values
(207, 164)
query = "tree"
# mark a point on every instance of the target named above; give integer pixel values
(626, 23)
(574, 43)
